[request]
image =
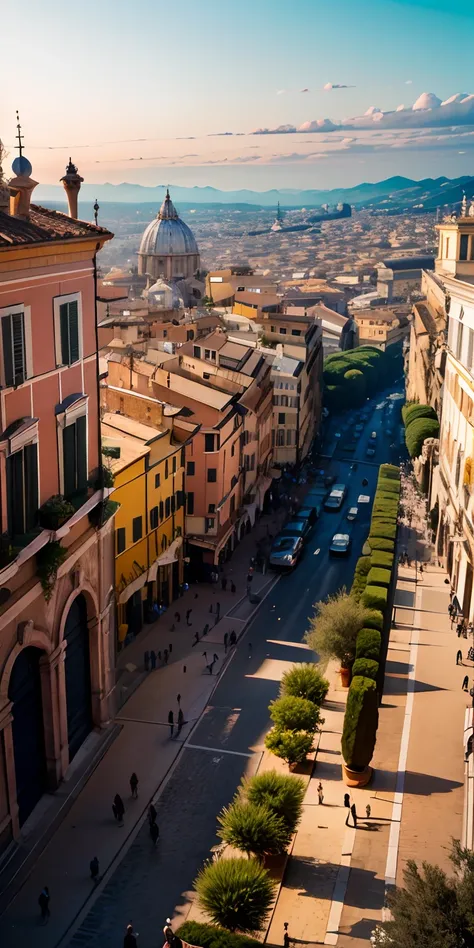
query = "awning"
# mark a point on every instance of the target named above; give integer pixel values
(133, 587)
(263, 485)
(165, 559)
(252, 512)
(214, 545)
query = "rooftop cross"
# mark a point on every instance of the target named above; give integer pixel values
(19, 135)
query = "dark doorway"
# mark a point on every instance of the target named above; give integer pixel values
(28, 730)
(466, 601)
(134, 615)
(176, 583)
(78, 676)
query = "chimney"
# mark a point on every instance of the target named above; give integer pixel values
(72, 185)
(21, 187)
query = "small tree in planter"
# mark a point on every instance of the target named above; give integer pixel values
(281, 793)
(295, 714)
(305, 681)
(254, 829)
(334, 628)
(360, 728)
(236, 893)
(292, 746)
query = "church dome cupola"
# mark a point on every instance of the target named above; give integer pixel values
(168, 248)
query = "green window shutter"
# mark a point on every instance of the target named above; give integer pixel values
(81, 453)
(7, 350)
(64, 332)
(69, 459)
(73, 314)
(31, 486)
(16, 508)
(18, 348)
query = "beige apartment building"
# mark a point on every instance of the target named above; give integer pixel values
(381, 327)
(297, 388)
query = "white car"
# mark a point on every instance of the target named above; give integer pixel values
(352, 513)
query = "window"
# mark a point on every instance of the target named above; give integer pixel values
(272, 329)
(280, 437)
(183, 457)
(137, 531)
(447, 247)
(121, 540)
(167, 507)
(289, 436)
(166, 469)
(470, 349)
(75, 456)
(211, 508)
(232, 451)
(211, 475)
(232, 504)
(153, 518)
(210, 355)
(281, 417)
(67, 326)
(162, 509)
(157, 480)
(165, 333)
(190, 502)
(206, 376)
(252, 462)
(197, 352)
(209, 523)
(173, 503)
(296, 332)
(22, 489)
(14, 349)
(282, 331)
(189, 335)
(179, 499)
(190, 468)
(174, 464)
(463, 246)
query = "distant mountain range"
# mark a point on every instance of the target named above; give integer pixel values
(396, 192)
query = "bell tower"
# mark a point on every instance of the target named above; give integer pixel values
(456, 244)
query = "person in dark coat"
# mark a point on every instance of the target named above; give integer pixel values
(119, 808)
(151, 814)
(171, 723)
(43, 903)
(130, 940)
(354, 814)
(459, 657)
(154, 832)
(180, 720)
(153, 659)
(134, 785)
(94, 868)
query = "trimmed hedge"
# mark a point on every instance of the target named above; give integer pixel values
(373, 619)
(379, 577)
(413, 411)
(384, 529)
(360, 723)
(389, 485)
(375, 597)
(361, 572)
(211, 936)
(380, 543)
(382, 559)
(368, 644)
(366, 667)
(418, 431)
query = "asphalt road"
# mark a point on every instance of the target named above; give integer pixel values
(149, 884)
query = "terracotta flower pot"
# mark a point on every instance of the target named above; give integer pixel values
(356, 778)
(346, 675)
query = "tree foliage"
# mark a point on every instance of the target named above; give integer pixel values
(236, 893)
(211, 936)
(334, 627)
(305, 681)
(295, 714)
(417, 432)
(360, 723)
(253, 828)
(281, 793)
(292, 746)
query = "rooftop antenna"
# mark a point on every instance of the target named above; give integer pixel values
(96, 212)
(19, 136)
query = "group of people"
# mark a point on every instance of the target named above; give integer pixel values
(351, 807)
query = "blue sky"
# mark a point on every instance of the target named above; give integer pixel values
(92, 80)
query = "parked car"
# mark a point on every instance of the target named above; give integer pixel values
(308, 513)
(370, 451)
(340, 544)
(373, 436)
(358, 429)
(336, 497)
(352, 513)
(297, 527)
(285, 551)
(329, 480)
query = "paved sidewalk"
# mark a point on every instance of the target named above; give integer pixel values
(144, 745)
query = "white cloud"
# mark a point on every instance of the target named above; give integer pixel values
(317, 125)
(427, 100)
(281, 91)
(408, 82)
(335, 85)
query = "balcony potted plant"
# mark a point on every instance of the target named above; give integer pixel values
(55, 512)
(7, 552)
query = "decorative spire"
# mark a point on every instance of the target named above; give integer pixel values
(167, 210)
(22, 184)
(19, 135)
(71, 183)
(96, 212)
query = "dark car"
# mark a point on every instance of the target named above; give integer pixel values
(359, 429)
(336, 497)
(340, 544)
(329, 480)
(286, 551)
(370, 452)
(307, 513)
(297, 527)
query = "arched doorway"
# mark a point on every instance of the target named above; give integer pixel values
(78, 675)
(28, 730)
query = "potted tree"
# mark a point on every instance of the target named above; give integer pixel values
(334, 630)
(359, 732)
(55, 512)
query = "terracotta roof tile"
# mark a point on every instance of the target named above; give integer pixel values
(43, 226)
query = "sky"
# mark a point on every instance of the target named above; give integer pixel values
(153, 91)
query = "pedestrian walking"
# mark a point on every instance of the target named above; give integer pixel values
(170, 647)
(205, 630)
(368, 811)
(450, 610)
(177, 617)
(347, 804)
(154, 833)
(178, 699)
(224, 583)
(43, 903)
(459, 657)
(218, 610)
(146, 660)
(134, 785)
(119, 809)
(130, 940)
(233, 637)
(165, 656)
(465, 682)
(188, 614)
(180, 720)
(421, 569)
(210, 608)
(94, 869)
(250, 650)
(151, 813)
(153, 659)
(286, 937)
(232, 587)
(211, 668)
(320, 793)
(196, 638)
(204, 655)
(215, 657)
(226, 639)
(171, 723)
(354, 814)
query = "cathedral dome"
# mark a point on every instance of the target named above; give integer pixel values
(168, 235)
(163, 295)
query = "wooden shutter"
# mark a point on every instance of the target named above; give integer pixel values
(16, 518)
(69, 459)
(81, 453)
(73, 315)
(64, 332)
(31, 486)
(7, 350)
(18, 348)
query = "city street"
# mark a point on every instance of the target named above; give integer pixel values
(146, 884)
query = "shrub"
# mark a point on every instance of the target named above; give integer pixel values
(380, 558)
(295, 714)
(292, 746)
(305, 681)
(356, 386)
(210, 936)
(363, 565)
(389, 485)
(379, 577)
(252, 828)
(380, 543)
(389, 470)
(385, 529)
(281, 793)
(335, 626)
(360, 723)
(369, 643)
(417, 432)
(236, 893)
(375, 597)
(360, 576)
(373, 619)
(412, 412)
(366, 667)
